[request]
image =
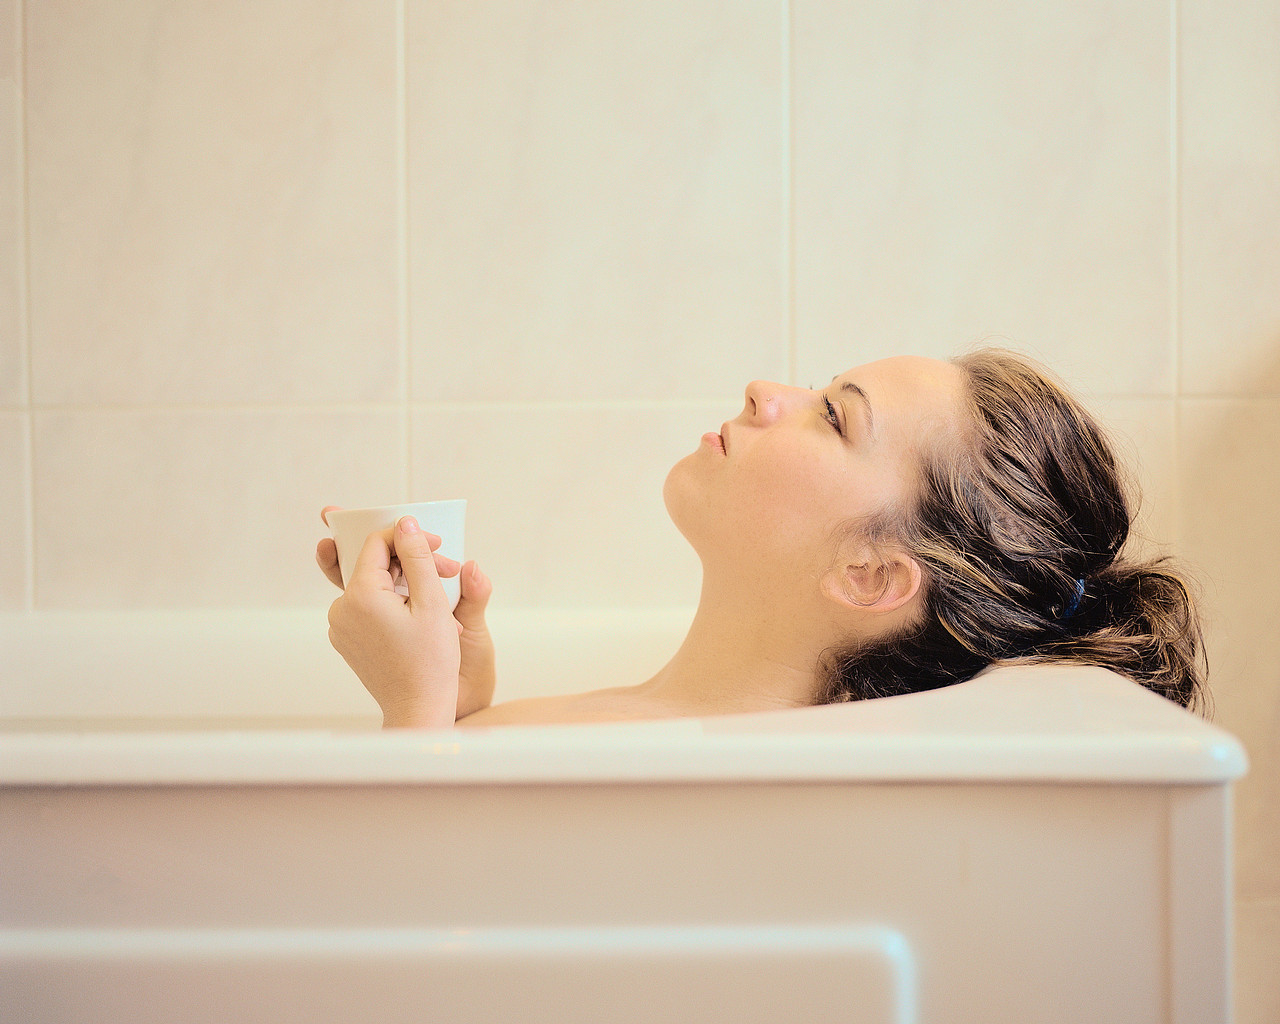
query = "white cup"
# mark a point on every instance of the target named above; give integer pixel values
(447, 519)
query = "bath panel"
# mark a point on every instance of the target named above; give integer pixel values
(551, 975)
(1043, 843)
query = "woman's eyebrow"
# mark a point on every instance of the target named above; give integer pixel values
(866, 404)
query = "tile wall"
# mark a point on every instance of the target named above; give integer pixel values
(256, 257)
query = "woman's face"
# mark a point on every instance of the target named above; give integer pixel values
(776, 485)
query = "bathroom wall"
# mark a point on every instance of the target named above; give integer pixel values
(257, 257)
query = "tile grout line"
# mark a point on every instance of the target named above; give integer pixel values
(1175, 258)
(402, 247)
(396, 405)
(555, 405)
(788, 196)
(24, 298)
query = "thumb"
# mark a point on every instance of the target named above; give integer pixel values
(418, 563)
(476, 589)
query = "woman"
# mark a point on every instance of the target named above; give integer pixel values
(900, 529)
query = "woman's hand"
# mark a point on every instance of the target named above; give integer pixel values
(477, 675)
(405, 650)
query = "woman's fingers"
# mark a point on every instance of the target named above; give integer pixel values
(375, 558)
(327, 555)
(421, 566)
(445, 565)
(327, 559)
(478, 677)
(327, 551)
(476, 589)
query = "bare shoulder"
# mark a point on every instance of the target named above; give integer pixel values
(612, 705)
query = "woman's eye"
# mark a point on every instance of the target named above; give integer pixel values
(831, 416)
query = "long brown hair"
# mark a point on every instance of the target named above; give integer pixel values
(1020, 527)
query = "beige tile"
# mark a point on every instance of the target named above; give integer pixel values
(1230, 491)
(596, 198)
(1144, 434)
(1257, 956)
(13, 386)
(213, 201)
(565, 502)
(1230, 197)
(15, 560)
(1258, 804)
(200, 509)
(964, 171)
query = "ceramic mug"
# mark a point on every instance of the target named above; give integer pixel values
(447, 519)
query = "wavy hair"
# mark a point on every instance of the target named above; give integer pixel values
(1020, 526)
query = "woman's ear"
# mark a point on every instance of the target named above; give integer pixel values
(877, 583)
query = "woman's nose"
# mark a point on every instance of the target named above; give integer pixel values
(760, 401)
(767, 401)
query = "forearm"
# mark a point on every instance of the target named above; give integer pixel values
(432, 715)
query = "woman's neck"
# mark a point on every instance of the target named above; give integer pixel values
(741, 657)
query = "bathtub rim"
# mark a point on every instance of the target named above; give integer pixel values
(1041, 723)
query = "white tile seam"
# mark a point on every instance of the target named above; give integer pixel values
(24, 296)
(788, 193)
(402, 240)
(1175, 196)
(215, 408)
(734, 399)
(730, 405)
(728, 402)
(1175, 258)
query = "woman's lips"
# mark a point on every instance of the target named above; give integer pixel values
(714, 441)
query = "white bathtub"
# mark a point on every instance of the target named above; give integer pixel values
(1040, 844)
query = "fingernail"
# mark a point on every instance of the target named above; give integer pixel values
(408, 524)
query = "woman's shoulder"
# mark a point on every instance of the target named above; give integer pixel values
(615, 704)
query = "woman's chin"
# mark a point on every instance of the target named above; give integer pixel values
(682, 501)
